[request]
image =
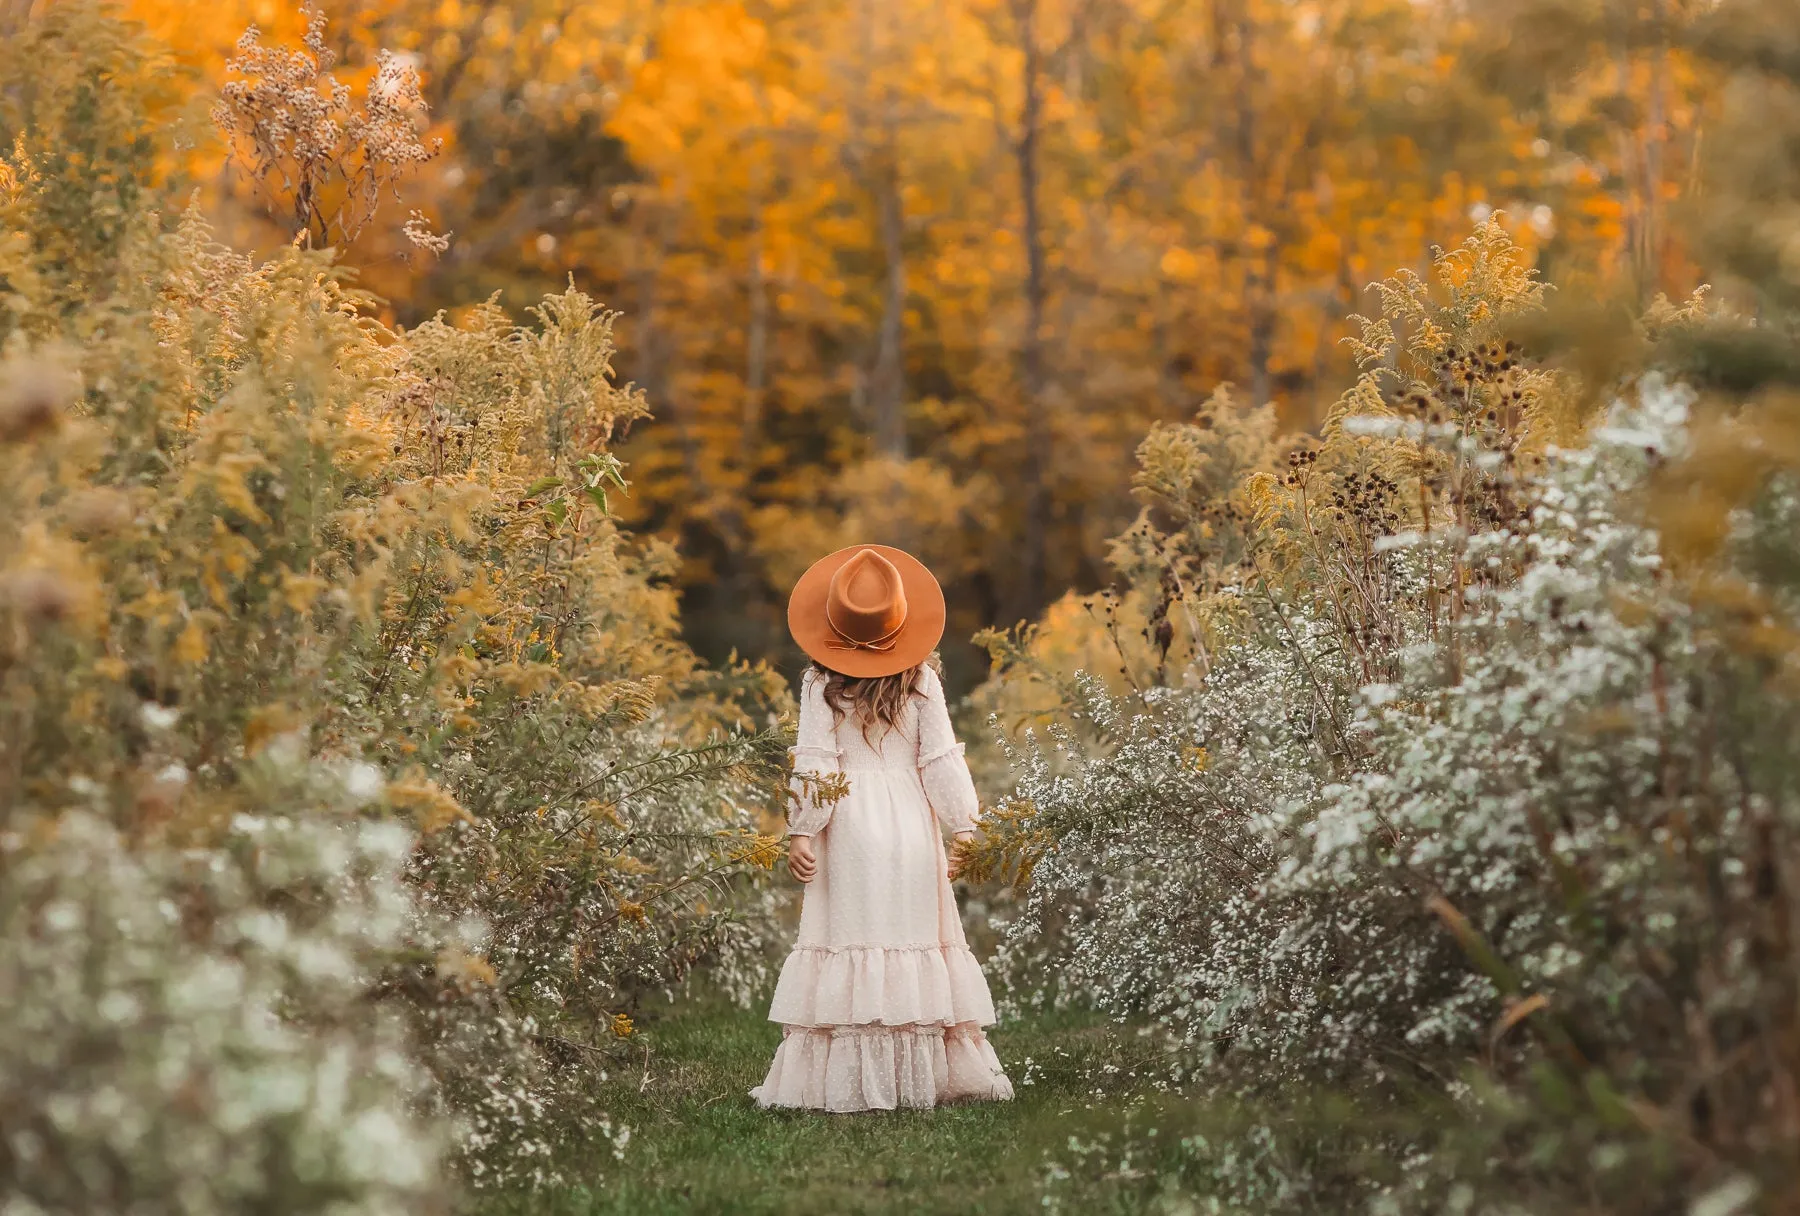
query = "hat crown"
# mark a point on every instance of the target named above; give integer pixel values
(866, 603)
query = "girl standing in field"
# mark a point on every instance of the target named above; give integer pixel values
(881, 1002)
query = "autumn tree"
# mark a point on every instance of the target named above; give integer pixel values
(966, 253)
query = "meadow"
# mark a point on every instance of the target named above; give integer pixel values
(699, 1145)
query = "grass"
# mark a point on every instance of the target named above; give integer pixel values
(700, 1145)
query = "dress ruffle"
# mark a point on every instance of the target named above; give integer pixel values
(857, 986)
(853, 1068)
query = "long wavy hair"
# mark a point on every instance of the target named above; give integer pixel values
(872, 700)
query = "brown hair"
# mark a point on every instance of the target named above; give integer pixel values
(871, 699)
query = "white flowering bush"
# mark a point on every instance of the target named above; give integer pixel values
(1461, 803)
(184, 1031)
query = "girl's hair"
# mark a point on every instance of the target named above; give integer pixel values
(871, 699)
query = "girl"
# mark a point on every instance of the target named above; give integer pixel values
(881, 1001)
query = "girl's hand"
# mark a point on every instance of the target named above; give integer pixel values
(802, 864)
(959, 854)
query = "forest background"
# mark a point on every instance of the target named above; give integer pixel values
(928, 272)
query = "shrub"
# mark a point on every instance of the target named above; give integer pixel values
(1459, 793)
(268, 561)
(185, 1031)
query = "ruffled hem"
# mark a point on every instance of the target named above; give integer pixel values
(842, 1069)
(927, 985)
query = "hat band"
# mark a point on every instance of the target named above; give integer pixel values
(844, 641)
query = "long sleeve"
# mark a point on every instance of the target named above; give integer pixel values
(942, 769)
(815, 754)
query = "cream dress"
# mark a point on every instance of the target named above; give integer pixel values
(881, 1002)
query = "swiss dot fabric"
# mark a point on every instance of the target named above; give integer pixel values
(881, 1001)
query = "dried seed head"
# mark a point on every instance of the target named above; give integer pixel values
(99, 511)
(33, 396)
(40, 596)
(157, 793)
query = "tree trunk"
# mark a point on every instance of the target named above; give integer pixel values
(468, 42)
(14, 14)
(888, 399)
(652, 376)
(1259, 296)
(1033, 575)
(756, 338)
(1655, 142)
(1262, 341)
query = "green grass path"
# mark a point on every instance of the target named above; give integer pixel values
(700, 1145)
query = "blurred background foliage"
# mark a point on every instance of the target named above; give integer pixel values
(973, 250)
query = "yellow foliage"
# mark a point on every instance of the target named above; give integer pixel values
(266, 724)
(763, 851)
(432, 807)
(301, 591)
(467, 971)
(190, 646)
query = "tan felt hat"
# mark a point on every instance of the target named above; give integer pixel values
(869, 610)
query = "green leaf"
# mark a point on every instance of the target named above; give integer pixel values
(541, 484)
(600, 467)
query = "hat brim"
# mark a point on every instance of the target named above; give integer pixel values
(918, 637)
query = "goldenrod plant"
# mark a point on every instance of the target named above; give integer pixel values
(354, 782)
